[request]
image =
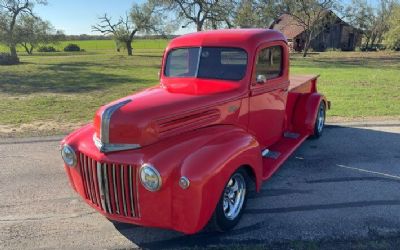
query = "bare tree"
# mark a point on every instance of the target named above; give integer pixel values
(10, 11)
(212, 13)
(311, 15)
(142, 18)
(122, 31)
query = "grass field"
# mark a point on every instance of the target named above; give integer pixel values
(359, 84)
(56, 92)
(105, 45)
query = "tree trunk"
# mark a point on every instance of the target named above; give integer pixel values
(307, 44)
(199, 26)
(373, 39)
(129, 48)
(13, 51)
(25, 47)
(305, 51)
(28, 50)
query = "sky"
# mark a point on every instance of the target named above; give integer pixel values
(76, 17)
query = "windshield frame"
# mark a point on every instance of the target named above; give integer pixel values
(199, 59)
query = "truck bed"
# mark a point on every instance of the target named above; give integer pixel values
(303, 83)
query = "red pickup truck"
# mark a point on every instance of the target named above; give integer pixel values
(183, 153)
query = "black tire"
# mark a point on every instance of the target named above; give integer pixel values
(320, 120)
(221, 221)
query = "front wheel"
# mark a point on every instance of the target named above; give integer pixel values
(320, 120)
(232, 202)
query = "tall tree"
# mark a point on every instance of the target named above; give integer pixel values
(246, 14)
(142, 18)
(255, 13)
(10, 11)
(222, 15)
(202, 12)
(381, 21)
(392, 36)
(32, 31)
(372, 21)
(311, 15)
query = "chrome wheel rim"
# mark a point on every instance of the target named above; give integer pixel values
(321, 118)
(234, 194)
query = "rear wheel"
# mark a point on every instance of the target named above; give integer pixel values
(319, 121)
(233, 200)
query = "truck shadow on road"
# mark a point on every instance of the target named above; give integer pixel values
(343, 185)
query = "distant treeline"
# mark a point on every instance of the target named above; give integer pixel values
(84, 37)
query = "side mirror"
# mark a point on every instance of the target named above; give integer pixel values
(261, 79)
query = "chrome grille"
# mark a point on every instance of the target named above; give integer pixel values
(110, 187)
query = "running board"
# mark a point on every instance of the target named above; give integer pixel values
(276, 154)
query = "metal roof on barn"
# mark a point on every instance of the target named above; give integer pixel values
(288, 26)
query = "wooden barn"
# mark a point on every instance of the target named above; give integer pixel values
(334, 34)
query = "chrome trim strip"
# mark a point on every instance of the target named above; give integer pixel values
(105, 175)
(104, 147)
(100, 183)
(82, 170)
(115, 189)
(91, 179)
(137, 177)
(85, 167)
(123, 189)
(131, 190)
(106, 118)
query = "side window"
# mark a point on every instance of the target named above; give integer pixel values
(269, 62)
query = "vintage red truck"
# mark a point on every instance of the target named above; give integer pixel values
(183, 153)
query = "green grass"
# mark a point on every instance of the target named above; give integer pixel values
(67, 88)
(102, 45)
(358, 84)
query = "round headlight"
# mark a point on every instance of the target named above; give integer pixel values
(68, 155)
(150, 178)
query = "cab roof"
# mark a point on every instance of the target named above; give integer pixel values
(247, 39)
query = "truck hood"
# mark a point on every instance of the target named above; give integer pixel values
(159, 112)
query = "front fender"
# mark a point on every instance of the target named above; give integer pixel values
(208, 168)
(207, 157)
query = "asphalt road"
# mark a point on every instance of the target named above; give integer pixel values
(344, 185)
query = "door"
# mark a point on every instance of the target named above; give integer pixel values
(268, 93)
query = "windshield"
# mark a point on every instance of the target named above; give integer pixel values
(207, 62)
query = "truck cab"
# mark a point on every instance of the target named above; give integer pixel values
(182, 154)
